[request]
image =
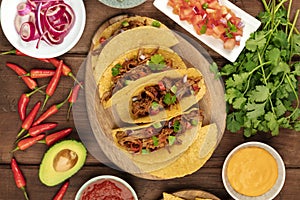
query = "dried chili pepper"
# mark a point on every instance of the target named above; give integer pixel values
(20, 71)
(73, 97)
(53, 83)
(19, 177)
(65, 70)
(60, 194)
(40, 73)
(19, 53)
(24, 100)
(28, 142)
(29, 118)
(54, 137)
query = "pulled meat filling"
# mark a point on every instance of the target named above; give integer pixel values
(133, 69)
(146, 140)
(164, 95)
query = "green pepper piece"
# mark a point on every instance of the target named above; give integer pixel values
(171, 140)
(156, 24)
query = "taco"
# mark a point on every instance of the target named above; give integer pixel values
(135, 64)
(190, 161)
(159, 96)
(160, 141)
(124, 35)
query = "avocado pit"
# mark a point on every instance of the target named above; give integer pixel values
(65, 160)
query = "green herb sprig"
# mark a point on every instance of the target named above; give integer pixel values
(262, 85)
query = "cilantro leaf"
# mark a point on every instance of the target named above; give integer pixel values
(177, 126)
(235, 121)
(255, 110)
(169, 99)
(260, 94)
(281, 67)
(273, 55)
(257, 41)
(272, 123)
(280, 39)
(155, 141)
(116, 70)
(157, 62)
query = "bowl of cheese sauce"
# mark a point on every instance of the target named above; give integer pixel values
(253, 171)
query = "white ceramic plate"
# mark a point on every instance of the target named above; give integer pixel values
(9, 11)
(104, 177)
(122, 4)
(274, 191)
(251, 25)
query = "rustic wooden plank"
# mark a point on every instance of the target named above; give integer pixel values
(206, 179)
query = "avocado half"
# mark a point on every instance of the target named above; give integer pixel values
(62, 161)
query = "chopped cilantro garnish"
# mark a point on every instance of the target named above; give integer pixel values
(125, 23)
(177, 126)
(194, 122)
(171, 139)
(228, 33)
(203, 29)
(155, 105)
(115, 70)
(156, 23)
(231, 26)
(205, 6)
(169, 99)
(145, 151)
(157, 62)
(155, 141)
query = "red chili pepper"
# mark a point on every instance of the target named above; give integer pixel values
(40, 73)
(29, 119)
(60, 194)
(54, 137)
(28, 142)
(66, 71)
(51, 111)
(53, 83)
(19, 53)
(19, 177)
(20, 71)
(36, 130)
(73, 97)
(23, 102)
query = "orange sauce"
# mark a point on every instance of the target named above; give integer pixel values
(252, 171)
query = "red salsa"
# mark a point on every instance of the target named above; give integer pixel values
(107, 189)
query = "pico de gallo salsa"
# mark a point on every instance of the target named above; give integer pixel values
(211, 18)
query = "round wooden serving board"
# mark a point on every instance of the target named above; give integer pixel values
(192, 194)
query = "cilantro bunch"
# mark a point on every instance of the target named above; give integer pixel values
(262, 85)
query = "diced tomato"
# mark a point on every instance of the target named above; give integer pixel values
(229, 44)
(185, 13)
(161, 86)
(219, 30)
(211, 19)
(197, 19)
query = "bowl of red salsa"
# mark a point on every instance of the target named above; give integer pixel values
(106, 187)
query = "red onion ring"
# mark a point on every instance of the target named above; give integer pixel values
(48, 20)
(23, 8)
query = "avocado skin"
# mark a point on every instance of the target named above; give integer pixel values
(48, 175)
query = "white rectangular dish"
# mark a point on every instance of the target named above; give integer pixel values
(251, 25)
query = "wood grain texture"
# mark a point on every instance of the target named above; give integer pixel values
(207, 178)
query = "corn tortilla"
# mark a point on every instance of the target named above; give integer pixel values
(190, 160)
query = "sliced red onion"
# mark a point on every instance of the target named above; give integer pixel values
(23, 8)
(27, 31)
(204, 16)
(184, 79)
(228, 16)
(196, 10)
(240, 25)
(223, 21)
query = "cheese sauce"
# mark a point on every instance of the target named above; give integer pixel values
(252, 171)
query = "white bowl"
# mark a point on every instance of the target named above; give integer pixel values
(8, 12)
(273, 192)
(105, 177)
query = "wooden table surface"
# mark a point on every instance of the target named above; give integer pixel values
(208, 178)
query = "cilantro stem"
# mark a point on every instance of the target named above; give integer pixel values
(279, 5)
(293, 25)
(296, 95)
(266, 6)
(288, 16)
